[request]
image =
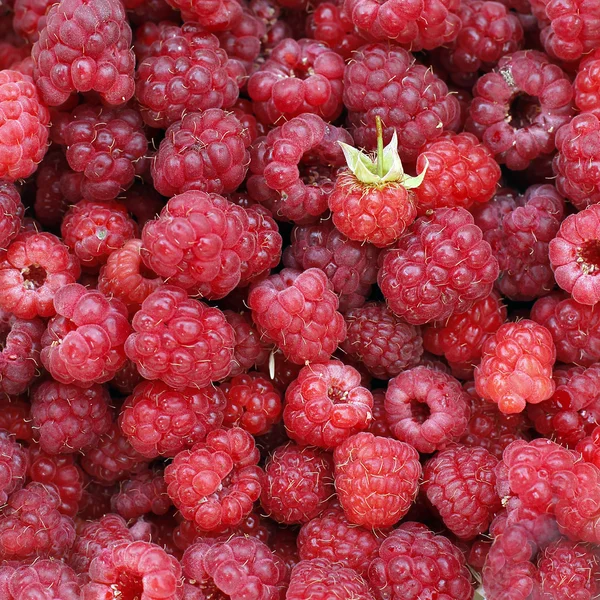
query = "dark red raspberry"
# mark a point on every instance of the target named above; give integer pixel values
(516, 366)
(216, 482)
(13, 465)
(33, 269)
(11, 213)
(587, 84)
(85, 46)
(379, 425)
(249, 350)
(298, 484)
(403, 553)
(30, 18)
(179, 340)
(11, 54)
(159, 421)
(440, 266)
(517, 109)
(143, 202)
(376, 479)
(214, 16)
(298, 311)
(589, 447)
(23, 128)
(15, 417)
(243, 41)
(185, 71)
(426, 408)
(145, 493)
(205, 151)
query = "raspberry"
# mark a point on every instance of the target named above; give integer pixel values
(85, 46)
(243, 41)
(179, 340)
(143, 202)
(30, 18)
(11, 213)
(587, 85)
(379, 425)
(249, 350)
(460, 483)
(13, 465)
(16, 419)
(426, 408)
(216, 482)
(220, 16)
(145, 493)
(517, 109)
(376, 479)
(381, 341)
(351, 267)
(589, 447)
(84, 342)
(516, 366)
(33, 269)
(440, 266)
(298, 484)
(398, 569)
(298, 311)
(159, 421)
(408, 97)
(185, 71)
(24, 123)
(205, 151)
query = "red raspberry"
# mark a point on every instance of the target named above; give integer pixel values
(216, 482)
(426, 408)
(11, 54)
(13, 465)
(298, 311)
(587, 84)
(69, 418)
(30, 18)
(298, 484)
(408, 97)
(145, 493)
(326, 405)
(516, 366)
(589, 447)
(159, 421)
(402, 556)
(379, 425)
(460, 483)
(205, 151)
(249, 350)
(517, 109)
(85, 46)
(23, 128)
(222, 15)
(95, 502)
(381, 341)
(179, 340)
(302, 76)
(185, 71)
(126, 378)
(143, 202)
(33, 269)
(16, 419)
(11, 213)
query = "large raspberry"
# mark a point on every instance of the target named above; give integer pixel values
(85, 46)
(249, 350)
(11, 213)
(13, 465)
(145, 493)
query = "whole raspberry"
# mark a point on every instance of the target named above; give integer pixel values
(460, 483)
(11, 213)
(298, 484)
(24, 123)
(376, 479)
(440, 266)
(381, 341)
(184, 71)
(350, 266)
(401, 557)
(179, 340)
(145, 493)
(159, 421)
(205, 151)
(386, 82)
(516, 366)
(326, 404)
(243, 41)
(249, 350)
(216, 482)
(15, 417)
(426, 408)
(298, 311)
(587, 84)
(84, 342)
(33, 269)
(517, 109)
(69, 418)
(13, 465)
(85, 46)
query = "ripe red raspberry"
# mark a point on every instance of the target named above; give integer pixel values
(249, 350)
(185, 71)
(379, 425)
(216, 482)
(298, 311)
(587, 84)
(33, 269)
(222, 15)
(159, 421)
(518, 130)
(15, 418)
(516, 366)
(30, 18)
(144, 493)
(420, 286)
(589, 447)
(401, 556)
(13, 465)
(205, 151)
(298, 484)
(11, 213)
(460, 483)
(179, 340)
(408, 97)
(381, 341)
(143, 202)
(23, 128)
(85, 46)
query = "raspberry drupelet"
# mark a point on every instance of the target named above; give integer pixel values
(11, 213)
(144, 493)
(14, 462)
(250, 350)
(85, 46)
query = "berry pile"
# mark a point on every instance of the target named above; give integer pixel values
(299, 300)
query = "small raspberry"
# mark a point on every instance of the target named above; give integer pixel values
(13, 465)
(249, 350)
(145, 493)
(11, 213)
